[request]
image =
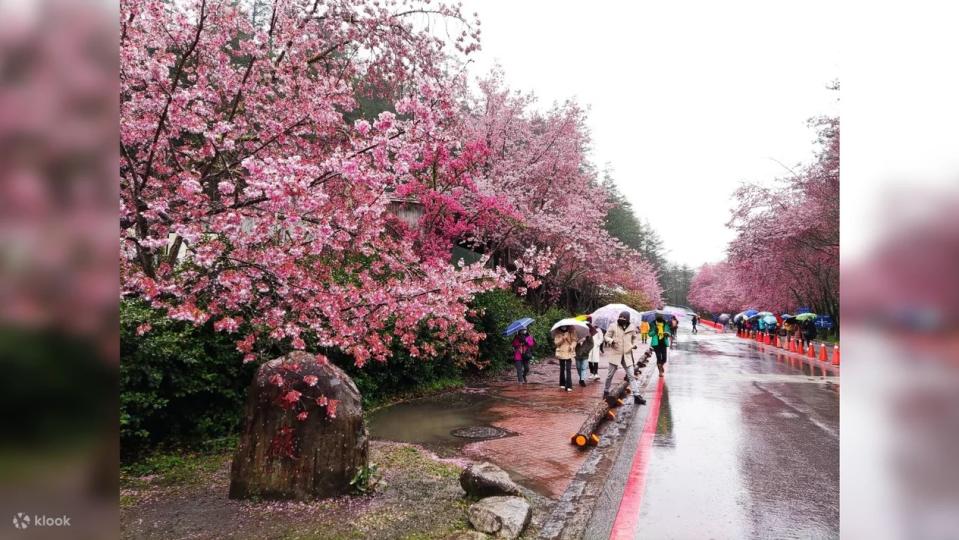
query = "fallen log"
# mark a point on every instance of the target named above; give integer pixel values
(603, 410)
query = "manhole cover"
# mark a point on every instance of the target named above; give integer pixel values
(479, 432)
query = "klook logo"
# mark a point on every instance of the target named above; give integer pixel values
(23, 521)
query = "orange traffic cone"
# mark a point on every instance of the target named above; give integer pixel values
(811, 353)
(822, 353)
(835, 355)
(779, 343)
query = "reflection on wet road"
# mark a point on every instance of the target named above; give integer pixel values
(746, 446)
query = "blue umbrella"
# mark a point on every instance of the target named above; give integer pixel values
(650, 316)
(750, 312)
(517, 325)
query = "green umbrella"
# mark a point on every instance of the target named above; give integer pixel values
(805, 316)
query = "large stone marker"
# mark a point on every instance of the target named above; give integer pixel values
(303, 434)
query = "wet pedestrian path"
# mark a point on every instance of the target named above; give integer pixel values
(535, 421)
(746, 445)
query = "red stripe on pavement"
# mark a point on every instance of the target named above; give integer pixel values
(624, 527)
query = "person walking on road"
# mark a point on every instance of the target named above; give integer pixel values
(644, 330)
(659, 339)
(583, 349)
(673, 329)
(620, 340)
(695, 322)
(596, 334)
(565, 341)
(523, 345)
(808, 332)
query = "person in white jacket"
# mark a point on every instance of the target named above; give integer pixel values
(621, 339)
(596, 333)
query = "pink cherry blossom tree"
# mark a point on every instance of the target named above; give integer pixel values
(786, 252)
(256, 177)
(536, 165)
(249, 200)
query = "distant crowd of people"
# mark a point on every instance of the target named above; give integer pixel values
(789, 327)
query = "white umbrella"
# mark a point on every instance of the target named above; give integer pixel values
(582, 330)
(605, 316)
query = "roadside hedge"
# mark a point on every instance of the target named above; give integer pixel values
(500, 307)
(179, 384)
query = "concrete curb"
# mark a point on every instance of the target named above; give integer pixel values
(590, 502)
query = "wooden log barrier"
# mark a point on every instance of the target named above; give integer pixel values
(603, 410)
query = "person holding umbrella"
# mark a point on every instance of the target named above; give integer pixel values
(621, 338)
(808, 326)
(564, 338)
(523, 345)
(659, 338)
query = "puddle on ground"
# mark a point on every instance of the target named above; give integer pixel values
(443, 423)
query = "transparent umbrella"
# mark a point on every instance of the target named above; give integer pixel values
(607, 315)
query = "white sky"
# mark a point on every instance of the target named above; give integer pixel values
(687, 98)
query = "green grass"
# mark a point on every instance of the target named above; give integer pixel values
(175, 468)
(409, 458)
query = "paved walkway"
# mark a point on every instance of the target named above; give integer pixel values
(544, 418)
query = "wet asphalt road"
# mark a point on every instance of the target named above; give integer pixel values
(746, 446)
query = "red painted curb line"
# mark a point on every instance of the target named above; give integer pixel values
(627, 517)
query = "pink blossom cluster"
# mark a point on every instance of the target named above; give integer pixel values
(536, 163)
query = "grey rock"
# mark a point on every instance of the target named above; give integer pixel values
(486, 480)
(505, 517)
(467, 535)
